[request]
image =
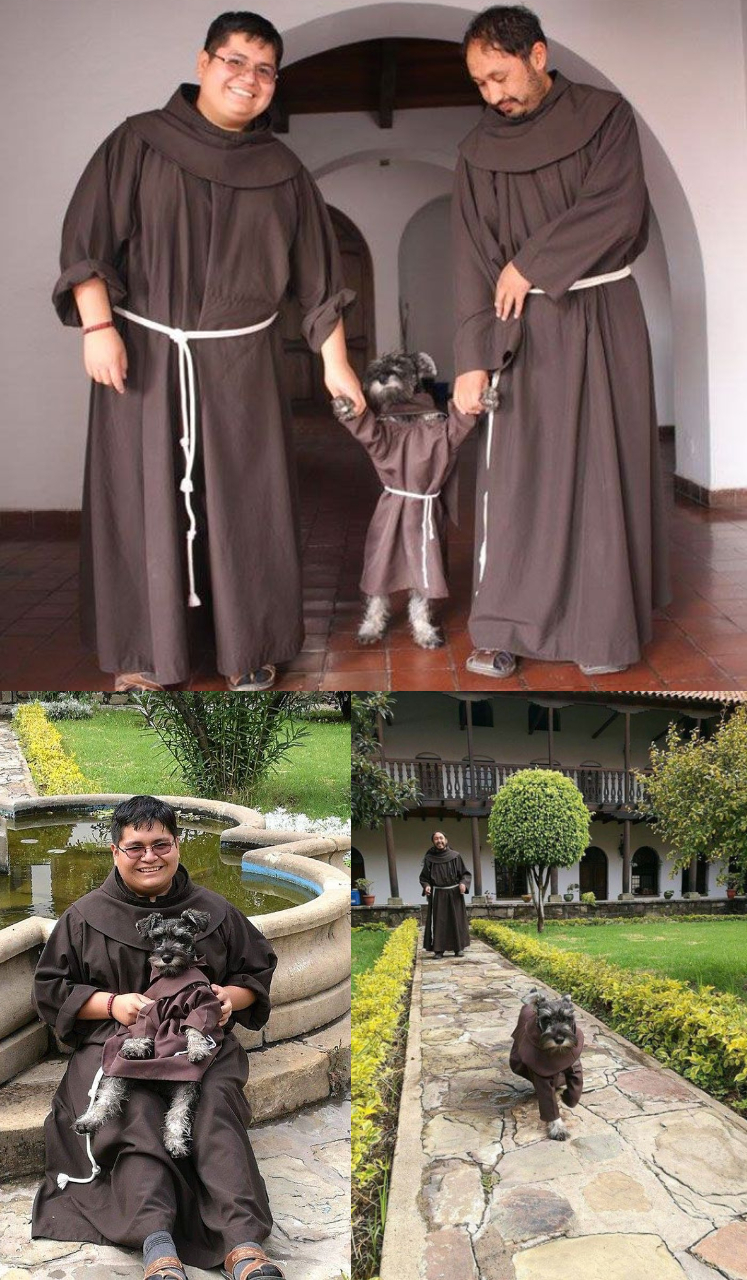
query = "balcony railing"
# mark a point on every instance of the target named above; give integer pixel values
(441, 781)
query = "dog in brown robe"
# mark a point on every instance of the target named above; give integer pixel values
(546, 1050)
(174, 1039)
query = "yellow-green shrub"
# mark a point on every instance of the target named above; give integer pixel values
(53, 770)
(700, 1034)
(378, 1009)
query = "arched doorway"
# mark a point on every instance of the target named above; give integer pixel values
(304, 368)
(645, 873)
(357, 865)
(592, 873)
(701, 879)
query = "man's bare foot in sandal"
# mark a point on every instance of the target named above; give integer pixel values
(130, 681)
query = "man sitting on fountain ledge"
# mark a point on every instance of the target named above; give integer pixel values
(120, 1186)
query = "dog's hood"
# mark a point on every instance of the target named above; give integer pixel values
(527, 1037)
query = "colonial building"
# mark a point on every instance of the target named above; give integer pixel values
(461, 748)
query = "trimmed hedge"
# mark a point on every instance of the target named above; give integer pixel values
(53, 770)
(700, 1034)
(594, 922)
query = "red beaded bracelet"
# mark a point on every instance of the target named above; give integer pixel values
(105, 324)
(110, 1002)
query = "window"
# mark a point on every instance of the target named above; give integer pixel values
(482, 715)
(538, 718)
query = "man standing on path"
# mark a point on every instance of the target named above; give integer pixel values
(551, 201)
(445, 880)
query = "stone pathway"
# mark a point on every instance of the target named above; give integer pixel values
(651, 1184)
(15, 779)
(305, 1161)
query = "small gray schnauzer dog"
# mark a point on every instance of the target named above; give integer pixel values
(393, 380)
(546, 1050)
(173, 954)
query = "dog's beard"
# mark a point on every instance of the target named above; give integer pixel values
(388, 393)
(177, 964)
(549, 1044)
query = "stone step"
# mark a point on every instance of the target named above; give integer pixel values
(282, 1078)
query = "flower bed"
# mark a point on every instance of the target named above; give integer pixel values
(700, 1034)
(53, 770)
(379, 1014)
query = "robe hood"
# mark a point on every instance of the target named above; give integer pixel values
(564, 122)
(434, 855)
(251, 157)
(527, 1038)
(114, 910)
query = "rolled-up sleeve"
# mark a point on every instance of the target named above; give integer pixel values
(99, 223)
(60, 989)
(250, 963)
(316, 268)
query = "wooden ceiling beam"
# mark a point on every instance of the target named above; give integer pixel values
(387, 83)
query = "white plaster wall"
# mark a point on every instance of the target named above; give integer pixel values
(682, 70)
(412, 838)
(426, 284)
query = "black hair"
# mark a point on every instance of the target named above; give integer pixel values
(438, 832)
(512, 28)
(251, 25)
(142, 811)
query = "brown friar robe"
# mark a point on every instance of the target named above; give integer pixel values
(413, 448)
(446, 925)
(574, 559)
(546, 1071)
(180, 1001)
(196, 227)
(210, 1200)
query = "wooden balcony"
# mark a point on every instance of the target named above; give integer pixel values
(452, 783)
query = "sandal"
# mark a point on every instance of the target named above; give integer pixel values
(257, 1264)
(132, 681)
(489, 662)
(165, 1269)
(253, 681)
(600, 671)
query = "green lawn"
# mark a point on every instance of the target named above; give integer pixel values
(117, 753)
(701, 952)
(367, 946)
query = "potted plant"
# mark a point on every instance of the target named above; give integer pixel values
(668, 893)
(733, 881)
(568, 895)
(367, 898)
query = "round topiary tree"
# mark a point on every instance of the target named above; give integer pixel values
(539, 821)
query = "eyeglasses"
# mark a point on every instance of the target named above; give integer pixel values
(135, 851)
(239, 66)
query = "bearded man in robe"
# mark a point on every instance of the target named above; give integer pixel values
(190, 223)
(550, 210)
(120, 1186)
(445, 881)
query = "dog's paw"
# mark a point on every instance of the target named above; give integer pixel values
(490, 399)
(198, 1052)
(137, 1047)
(369, 634)
(343, 408)
(83, 1126)
(557, 1131)
(177, 1148)
(428, 638)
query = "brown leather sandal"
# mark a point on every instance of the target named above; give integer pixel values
(131, 681)
(257, 1265)
(166, 1269)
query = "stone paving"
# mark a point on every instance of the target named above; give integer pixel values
(305, 1161)
(15, 779)
(650, 1185)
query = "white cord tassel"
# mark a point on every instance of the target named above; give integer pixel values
(483, 557)
(428, 527)
(64, 1178)
(188, 440)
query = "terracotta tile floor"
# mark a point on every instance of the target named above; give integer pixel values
(700, 639)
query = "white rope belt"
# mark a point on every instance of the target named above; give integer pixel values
(586, 282)
(188, 440)
(64, 1178)
(428, 528)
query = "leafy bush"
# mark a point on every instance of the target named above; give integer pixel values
(702, 1035)
(374, 795)
(589, 898)
(224, 747)
(539, 821)
(379, 1012)
(64, 709)
(53, 771)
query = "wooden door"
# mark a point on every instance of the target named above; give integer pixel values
(592, 876)
(303, 366)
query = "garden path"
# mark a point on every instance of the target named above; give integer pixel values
(305, 1162)
(650, 1185)
(15, 779)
